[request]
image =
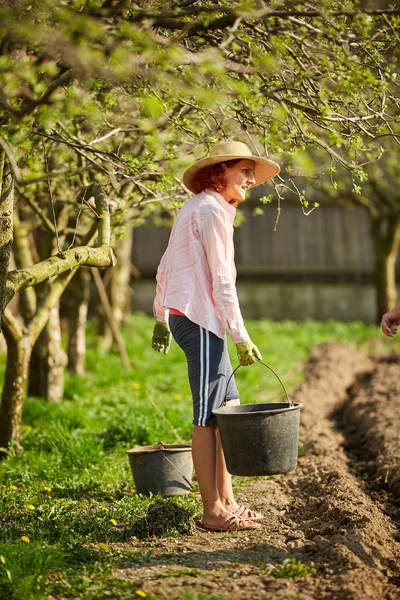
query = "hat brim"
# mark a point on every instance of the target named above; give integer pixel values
(264, 168)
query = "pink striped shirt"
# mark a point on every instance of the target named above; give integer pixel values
(197, 273)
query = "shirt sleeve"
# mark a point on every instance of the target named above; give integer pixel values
(217, 238)
(159, 311)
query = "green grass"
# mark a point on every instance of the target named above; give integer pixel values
(70, 495)
(291, 568)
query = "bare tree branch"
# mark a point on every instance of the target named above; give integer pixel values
(11, 159)
(56, 265)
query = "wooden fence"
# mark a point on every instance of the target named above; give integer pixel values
(333, 243)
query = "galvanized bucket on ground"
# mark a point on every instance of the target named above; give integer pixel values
(260, 439)
(162, 469)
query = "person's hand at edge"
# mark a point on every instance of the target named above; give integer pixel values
(390, 321)
(162, 337)
(247, 353)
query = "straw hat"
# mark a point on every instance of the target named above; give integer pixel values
(264, 168)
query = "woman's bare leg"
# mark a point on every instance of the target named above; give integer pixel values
(224, 478)
(204, 452)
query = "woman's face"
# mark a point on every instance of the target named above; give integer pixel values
(239, 179)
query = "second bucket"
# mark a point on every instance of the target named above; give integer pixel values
(260, 439)
(164, 469)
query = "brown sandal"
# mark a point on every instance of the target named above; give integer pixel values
(246, 513)
(231, 523)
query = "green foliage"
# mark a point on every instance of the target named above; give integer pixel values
(301, 450)
(147, 85)
(24, 567)
(291, 568)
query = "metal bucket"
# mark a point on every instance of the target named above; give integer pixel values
(162, 469)
(260, 439)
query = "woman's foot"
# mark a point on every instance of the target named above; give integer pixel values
(230, 522)
(244, 512)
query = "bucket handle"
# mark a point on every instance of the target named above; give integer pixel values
(176, 469)
(268, 367)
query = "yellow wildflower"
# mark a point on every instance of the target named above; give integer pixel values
(24, 538)
(13, 487)
(47, 489)
(103, 546)
(113, 521)
(141, 593)
(30, 507)
(177, 396)
(136, 386)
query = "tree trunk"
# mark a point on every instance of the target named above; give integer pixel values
(6, 227)
(77, 303)
(386, 236)
(20, 341)
(23, 255)
(18, 356)
(48, 361)
(119, 289)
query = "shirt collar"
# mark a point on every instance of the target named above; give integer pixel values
(231, 210)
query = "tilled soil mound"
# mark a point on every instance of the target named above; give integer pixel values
(371, 422)
(324, 515)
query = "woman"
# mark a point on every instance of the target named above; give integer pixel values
(196, 296)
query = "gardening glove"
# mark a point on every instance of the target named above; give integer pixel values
(247, 353)
(162, 337)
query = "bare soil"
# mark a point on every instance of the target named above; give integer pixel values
(337, 512)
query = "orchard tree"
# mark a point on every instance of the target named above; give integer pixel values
(376, 190)
(108, 99)
(21, 336)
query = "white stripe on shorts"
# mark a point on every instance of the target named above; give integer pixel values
(207, 375)
(201, 376)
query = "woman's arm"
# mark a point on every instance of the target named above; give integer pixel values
(159, 311)
(217, 239)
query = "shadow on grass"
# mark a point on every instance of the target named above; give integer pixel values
(92, 490)
(257, 555)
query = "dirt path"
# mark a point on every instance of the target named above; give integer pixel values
(324, 514)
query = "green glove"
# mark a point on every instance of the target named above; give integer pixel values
(247, 353)
(162, 337)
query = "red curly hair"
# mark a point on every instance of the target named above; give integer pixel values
(213, 176)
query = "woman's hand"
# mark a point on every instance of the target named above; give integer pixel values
(247, 353)
(390, 321)
(162, 337)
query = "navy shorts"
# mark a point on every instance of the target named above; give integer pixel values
(209, 368)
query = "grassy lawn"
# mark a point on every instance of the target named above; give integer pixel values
(70, 493)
